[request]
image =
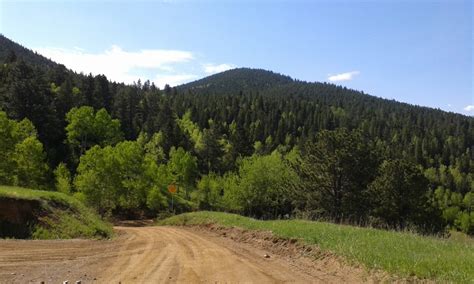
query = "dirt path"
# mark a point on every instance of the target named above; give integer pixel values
(146, 255)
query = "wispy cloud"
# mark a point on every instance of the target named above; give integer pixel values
(343, 76)
(123, 66)
(216, 68)
(469, 108)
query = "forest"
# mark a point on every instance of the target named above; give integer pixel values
(246, 141)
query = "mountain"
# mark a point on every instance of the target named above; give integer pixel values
(241, 79)
(266, 107)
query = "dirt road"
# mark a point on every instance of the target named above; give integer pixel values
(144, 255)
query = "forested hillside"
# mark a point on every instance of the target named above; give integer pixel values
(10, 50)
(246, 140)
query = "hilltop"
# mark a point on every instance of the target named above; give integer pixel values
(242, 79)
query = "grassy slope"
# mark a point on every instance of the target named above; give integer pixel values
(403, 254)
(66, 216)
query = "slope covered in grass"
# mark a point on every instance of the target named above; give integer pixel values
(400, 253)
(26, 213)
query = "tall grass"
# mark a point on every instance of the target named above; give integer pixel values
(400, 253)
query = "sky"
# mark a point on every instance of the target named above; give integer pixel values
(419, 51)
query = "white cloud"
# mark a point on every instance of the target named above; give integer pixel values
(212, 68)
(173, 80)
(469, 108)
(120, 65)
(343, 76)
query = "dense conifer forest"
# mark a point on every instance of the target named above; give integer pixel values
(248, 141)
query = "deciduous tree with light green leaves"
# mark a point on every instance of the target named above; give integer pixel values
(183, 169)
(22, 157)
(210, 192)
(154, 147)
(31, 168)
(263, 187)
(122, 176)
(63, 178)
(87, 128)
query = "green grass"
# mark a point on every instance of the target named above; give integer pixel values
(399, 253)
(63, 216)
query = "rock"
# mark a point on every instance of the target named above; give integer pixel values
(66, 282)
(266, 256)
(78, 282)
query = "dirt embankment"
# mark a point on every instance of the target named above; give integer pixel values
(17, 217)
(168, 255)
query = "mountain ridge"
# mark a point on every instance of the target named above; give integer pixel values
(244, 79)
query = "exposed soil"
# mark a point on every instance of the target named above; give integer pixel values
(169, 255)
(17, 217)
(323, 266)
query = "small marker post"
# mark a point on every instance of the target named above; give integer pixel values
(172, 190)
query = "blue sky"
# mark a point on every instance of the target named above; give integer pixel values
(420, 51)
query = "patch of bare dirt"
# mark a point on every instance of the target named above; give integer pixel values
(17, 216)
(323, 266)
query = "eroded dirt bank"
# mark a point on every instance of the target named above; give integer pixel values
(163, 255)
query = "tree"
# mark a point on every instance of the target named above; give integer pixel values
(156, 200)
(263, 188)
(101, 93)
(87, 128)
(120, 177)
(182, 167)
(80, 129)
(29, 158)
(210, 193)
(154, 148)
(129, 159)
(399, 194)
(98, 179)
(22, 159)
(336, 171)
(210, 156)
(107, 130)
(63, 178)
(241, 145)
(7, 144)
